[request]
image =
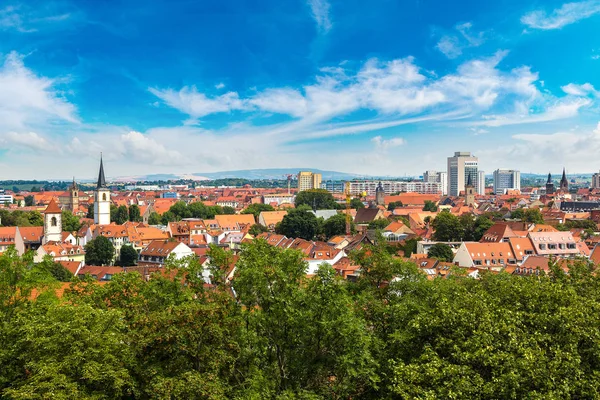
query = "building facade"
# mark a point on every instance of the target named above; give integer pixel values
(389, 187)
(596, 180)
(308, 180)
(461, 166)
(506, 179)
(437, 177)
(481, 183)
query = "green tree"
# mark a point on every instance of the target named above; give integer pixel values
(429, 206)
(167, 217)
(319, 199)
(533, 215)
(448, 228)
(134, 213)
(394, 204)
(128, 256)
(257, 229)
(121, 215)
(257, 208)
(298, 223)
(356, 203)
(90, 212)
(336, 225)
(180, 210)
(29, 201)
(517, 213)
(227, 210)
(70, 222)
(56, 269)
(378, 224)
(99, 251)
(154, 218)
(441, 251)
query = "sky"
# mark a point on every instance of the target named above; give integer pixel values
(382, 87)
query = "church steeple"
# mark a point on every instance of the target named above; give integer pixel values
(564, 183)
(101, 178)
(549, 185)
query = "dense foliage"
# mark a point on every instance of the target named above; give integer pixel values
(287, 336)
(317, 199)
(450, 228)
(99, 251)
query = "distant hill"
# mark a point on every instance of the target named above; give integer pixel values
(275, 173)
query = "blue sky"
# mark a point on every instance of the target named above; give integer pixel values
(382, 87)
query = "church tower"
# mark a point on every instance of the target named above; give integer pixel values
(564, 183)
(379, 195)
(469, 192)
(549, 185)
(74, 197)
(52, 223)
(101, 199)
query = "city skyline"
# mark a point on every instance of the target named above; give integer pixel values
(326, 84)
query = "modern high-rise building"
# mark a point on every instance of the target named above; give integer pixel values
(481, 183)
(596, 180)
(460, 167)
(308, 180)
(506, 179)
(437, 177)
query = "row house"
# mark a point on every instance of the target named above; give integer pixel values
(157, 252)
(315, 253)
(60, 251)
(11, 236)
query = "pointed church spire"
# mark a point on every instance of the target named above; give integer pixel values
(564, 176)
(101, 179)
(549, 178)
(469, 181)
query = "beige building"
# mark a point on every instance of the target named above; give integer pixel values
(308, 180)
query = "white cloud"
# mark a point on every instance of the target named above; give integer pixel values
(27, 98)
(452, 45)
(29, 140)
(382, 144)
(560, 110)
(189, 101)
(567, 14)
(596, 57)
(219, 85)
(580, 90)
(26, 20)
(142, 148)
(577, 150)
(320, 12)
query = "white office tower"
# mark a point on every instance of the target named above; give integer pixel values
(506, 179)
(460, 167)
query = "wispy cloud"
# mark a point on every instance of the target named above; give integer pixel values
(188, 100)
(586, 89)
(320, 12)
(452, 45)
(26, 20)
(567, 14)
(382, 144)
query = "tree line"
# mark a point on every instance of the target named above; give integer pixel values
(287, 336)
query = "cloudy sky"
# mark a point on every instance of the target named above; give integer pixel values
(380, 87)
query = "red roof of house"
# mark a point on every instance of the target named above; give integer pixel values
(52, 208)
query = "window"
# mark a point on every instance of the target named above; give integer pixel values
(103, 196)
(53, 221)
(542, 246)
(571, 246)
(552, 246)
(477, 262)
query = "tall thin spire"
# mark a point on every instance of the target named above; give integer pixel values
(549, 178)
(101, 178)
(469, 181)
